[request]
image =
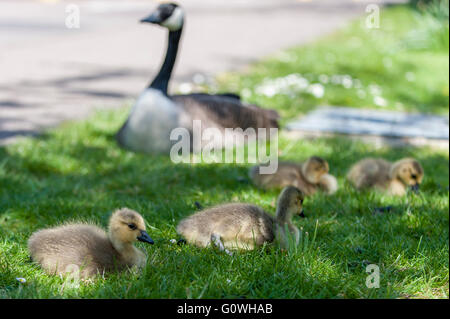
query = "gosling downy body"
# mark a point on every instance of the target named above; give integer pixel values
(156, 114)
(393, 178)
(309, 176)
(87, 249)
(244, 226)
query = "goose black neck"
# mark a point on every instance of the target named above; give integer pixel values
(161, 81)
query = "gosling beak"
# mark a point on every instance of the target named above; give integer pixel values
(145, 238)
(301, 214)
(153, 18)
(415, 188)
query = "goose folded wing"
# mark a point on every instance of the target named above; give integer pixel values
(227, 111)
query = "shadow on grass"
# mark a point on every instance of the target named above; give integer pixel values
(51, 183)
(122, 177)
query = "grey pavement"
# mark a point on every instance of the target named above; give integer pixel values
(384, 127)
(373, 122)
(50, 73)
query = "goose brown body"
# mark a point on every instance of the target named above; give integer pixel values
(89, 250)
(309, 176)
(224, 111)
(394, 178)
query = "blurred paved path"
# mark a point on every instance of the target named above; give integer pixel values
(49, 73)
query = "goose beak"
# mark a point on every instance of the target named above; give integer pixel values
(415, 188)
(301, 214)
(145, 238)
(153, 18)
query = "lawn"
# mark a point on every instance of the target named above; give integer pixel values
(77, 172)
(383, 68)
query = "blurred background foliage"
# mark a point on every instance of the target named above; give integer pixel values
(432, 30)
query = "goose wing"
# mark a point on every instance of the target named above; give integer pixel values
(227, 111)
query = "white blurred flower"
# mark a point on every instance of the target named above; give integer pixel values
(336, 79)
(374, 89)
(361, 94)
(288, 85)
(298, 81)
(185, 88)
(228, 281)
(317, 89)
(21, 280)
(266, 90)
(323, 78)
(379, 101)
(173, 241)
(347, 81)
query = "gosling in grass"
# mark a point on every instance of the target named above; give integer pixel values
(309, 176)
(244, 226)
(393, 178)
(88, 250)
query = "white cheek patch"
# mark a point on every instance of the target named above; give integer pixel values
(175, 21)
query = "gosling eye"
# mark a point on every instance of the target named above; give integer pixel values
(132, 226)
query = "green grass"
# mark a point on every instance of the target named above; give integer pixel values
(379, 63)
(78, 172)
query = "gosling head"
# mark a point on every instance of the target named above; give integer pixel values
(168, 15)
(409, 172)
(290, 203)
(126, 226)
(314, 168)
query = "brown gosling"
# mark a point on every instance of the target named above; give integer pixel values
(244, 226)
(309, 176)
(88, 250)
(393, 178)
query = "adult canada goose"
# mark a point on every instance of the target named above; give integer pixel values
(394, 178)
(309, 176)
(155, 113)
(88, 250)
(244, 226)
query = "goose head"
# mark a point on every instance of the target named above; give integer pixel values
(168, 15)
(290, 203)
(314, 168)
(409, 172)
(127, 226)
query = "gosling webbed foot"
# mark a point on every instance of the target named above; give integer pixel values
(217, 241)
